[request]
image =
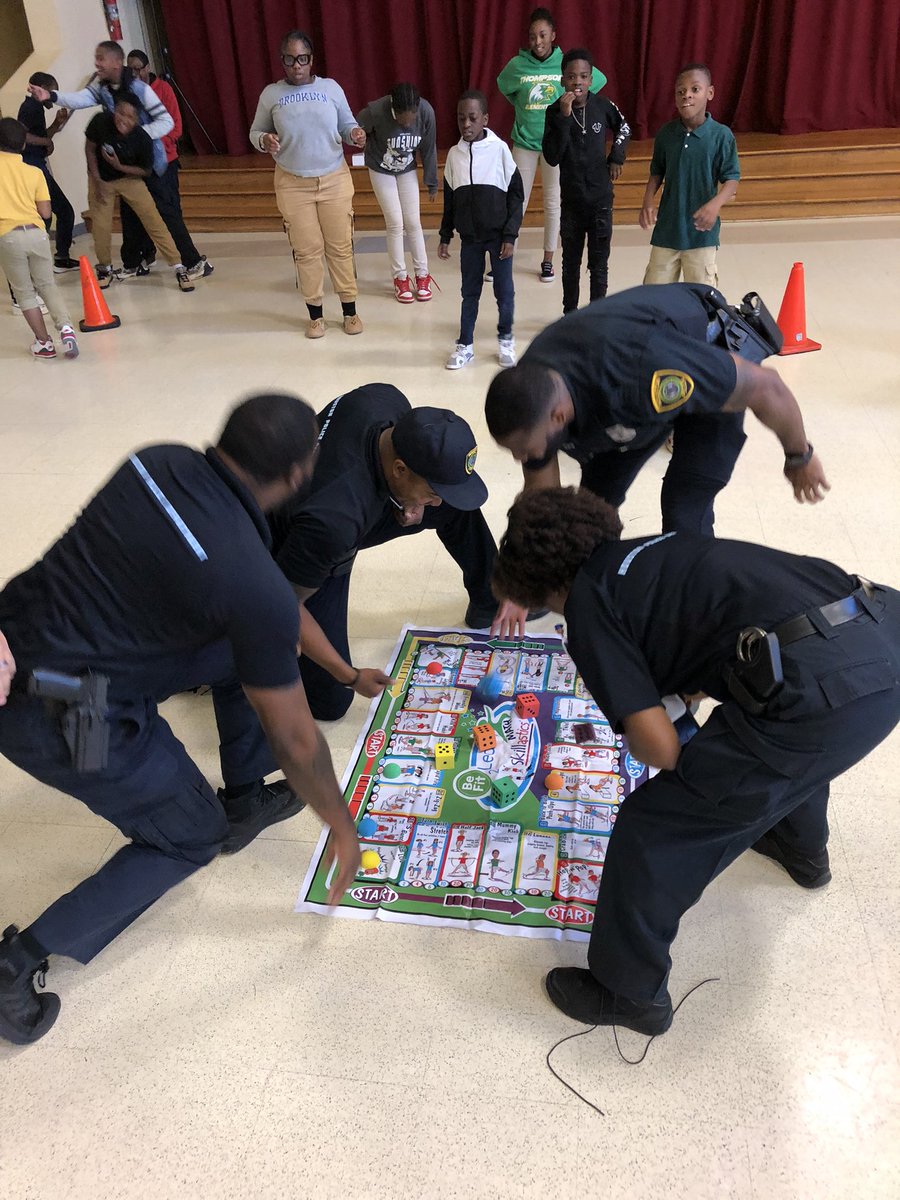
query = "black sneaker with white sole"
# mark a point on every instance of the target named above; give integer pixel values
(256, 810)
(65, 264)
(26, 1014)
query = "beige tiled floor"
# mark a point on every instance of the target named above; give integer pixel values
(225, 1047)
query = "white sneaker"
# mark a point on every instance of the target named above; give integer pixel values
(506, 352)
(67, 334)
(461, 357)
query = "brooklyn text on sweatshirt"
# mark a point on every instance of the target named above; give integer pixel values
(312, 121)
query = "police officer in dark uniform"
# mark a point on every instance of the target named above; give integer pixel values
(384, 470)
(165, 581)
(607, 385)
(805, 660)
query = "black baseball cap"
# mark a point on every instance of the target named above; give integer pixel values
(438, 445)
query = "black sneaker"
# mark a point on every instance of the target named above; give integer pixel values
(25, 1013)
(547, 274)
(809, 872)
(481, 618)
(578, 994)
(106, 275)
(65, 264)
(250, 814)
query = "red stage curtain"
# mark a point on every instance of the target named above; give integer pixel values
(778, 66)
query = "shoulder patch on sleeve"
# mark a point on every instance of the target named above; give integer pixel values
(670, 389)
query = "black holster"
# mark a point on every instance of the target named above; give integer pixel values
(748, 330)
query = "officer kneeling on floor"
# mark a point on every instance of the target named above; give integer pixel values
(165, 581)
(805, 661)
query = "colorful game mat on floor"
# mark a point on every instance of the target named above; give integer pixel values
(476, 810)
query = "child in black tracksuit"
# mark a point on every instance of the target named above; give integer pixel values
(483, 200)
(575, 137)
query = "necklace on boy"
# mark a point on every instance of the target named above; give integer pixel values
(582, 124)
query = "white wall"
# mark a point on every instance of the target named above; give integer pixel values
(65, 34)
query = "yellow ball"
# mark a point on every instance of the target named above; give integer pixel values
(370, 860)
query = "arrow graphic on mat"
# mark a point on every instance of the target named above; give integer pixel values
(462, 900)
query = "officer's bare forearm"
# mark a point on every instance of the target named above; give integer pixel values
(319, 649)
(771, 401)
(300, 750)
(310, 773)
(534, 479)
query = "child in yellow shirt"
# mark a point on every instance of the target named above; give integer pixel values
(24, 246)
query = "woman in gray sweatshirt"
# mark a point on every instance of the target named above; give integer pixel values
(398, 127)
(302, 122)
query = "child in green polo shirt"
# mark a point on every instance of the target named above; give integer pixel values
(696, 158)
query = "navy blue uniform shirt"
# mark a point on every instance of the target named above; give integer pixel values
(317, 535)
(171, 555)
(653, 617)
(632, 363)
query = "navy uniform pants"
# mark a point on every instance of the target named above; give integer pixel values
(706, 447)
(739, 777)
(151, 790)
(471, 545)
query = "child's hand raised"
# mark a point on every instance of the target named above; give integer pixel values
(566, 100)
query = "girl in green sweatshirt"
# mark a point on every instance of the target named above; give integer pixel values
(531, 81)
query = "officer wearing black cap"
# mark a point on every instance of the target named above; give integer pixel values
(384, 470)
(165, 581)
(608, 384)
(805, 660)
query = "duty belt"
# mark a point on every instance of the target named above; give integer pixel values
(839, 612)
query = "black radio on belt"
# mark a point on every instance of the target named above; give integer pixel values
(757, 675)
(83, 716)
(749, 330)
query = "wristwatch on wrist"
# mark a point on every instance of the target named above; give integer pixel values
(792, 461)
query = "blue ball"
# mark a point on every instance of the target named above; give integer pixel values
(367, 827)
(489, 689)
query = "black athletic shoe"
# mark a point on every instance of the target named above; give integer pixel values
(811, 872)
(481, 618)
(65, 264)
(250, 814)
(201, 269)
(25, 1013)
(577, 993)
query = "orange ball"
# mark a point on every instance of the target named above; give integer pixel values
(554, 781)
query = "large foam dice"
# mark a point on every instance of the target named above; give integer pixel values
(444, 758)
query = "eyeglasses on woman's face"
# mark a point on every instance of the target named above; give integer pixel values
(301, 60)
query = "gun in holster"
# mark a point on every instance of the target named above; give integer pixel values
(748, 330)
(81, 703)
(756, 675)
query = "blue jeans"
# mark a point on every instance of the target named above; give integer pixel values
(471, 262)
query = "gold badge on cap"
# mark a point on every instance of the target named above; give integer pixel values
(470, 460)
(670, 389)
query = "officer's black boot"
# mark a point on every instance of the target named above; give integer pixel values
(580, 996)
(810, 871)
(25, 1014)
(257, 807)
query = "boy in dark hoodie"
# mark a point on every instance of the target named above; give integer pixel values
(575, 134)
(483, 202)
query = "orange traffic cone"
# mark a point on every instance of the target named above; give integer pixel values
(792, 316)
(96, 312)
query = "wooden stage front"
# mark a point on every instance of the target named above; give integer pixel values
(844, 174)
